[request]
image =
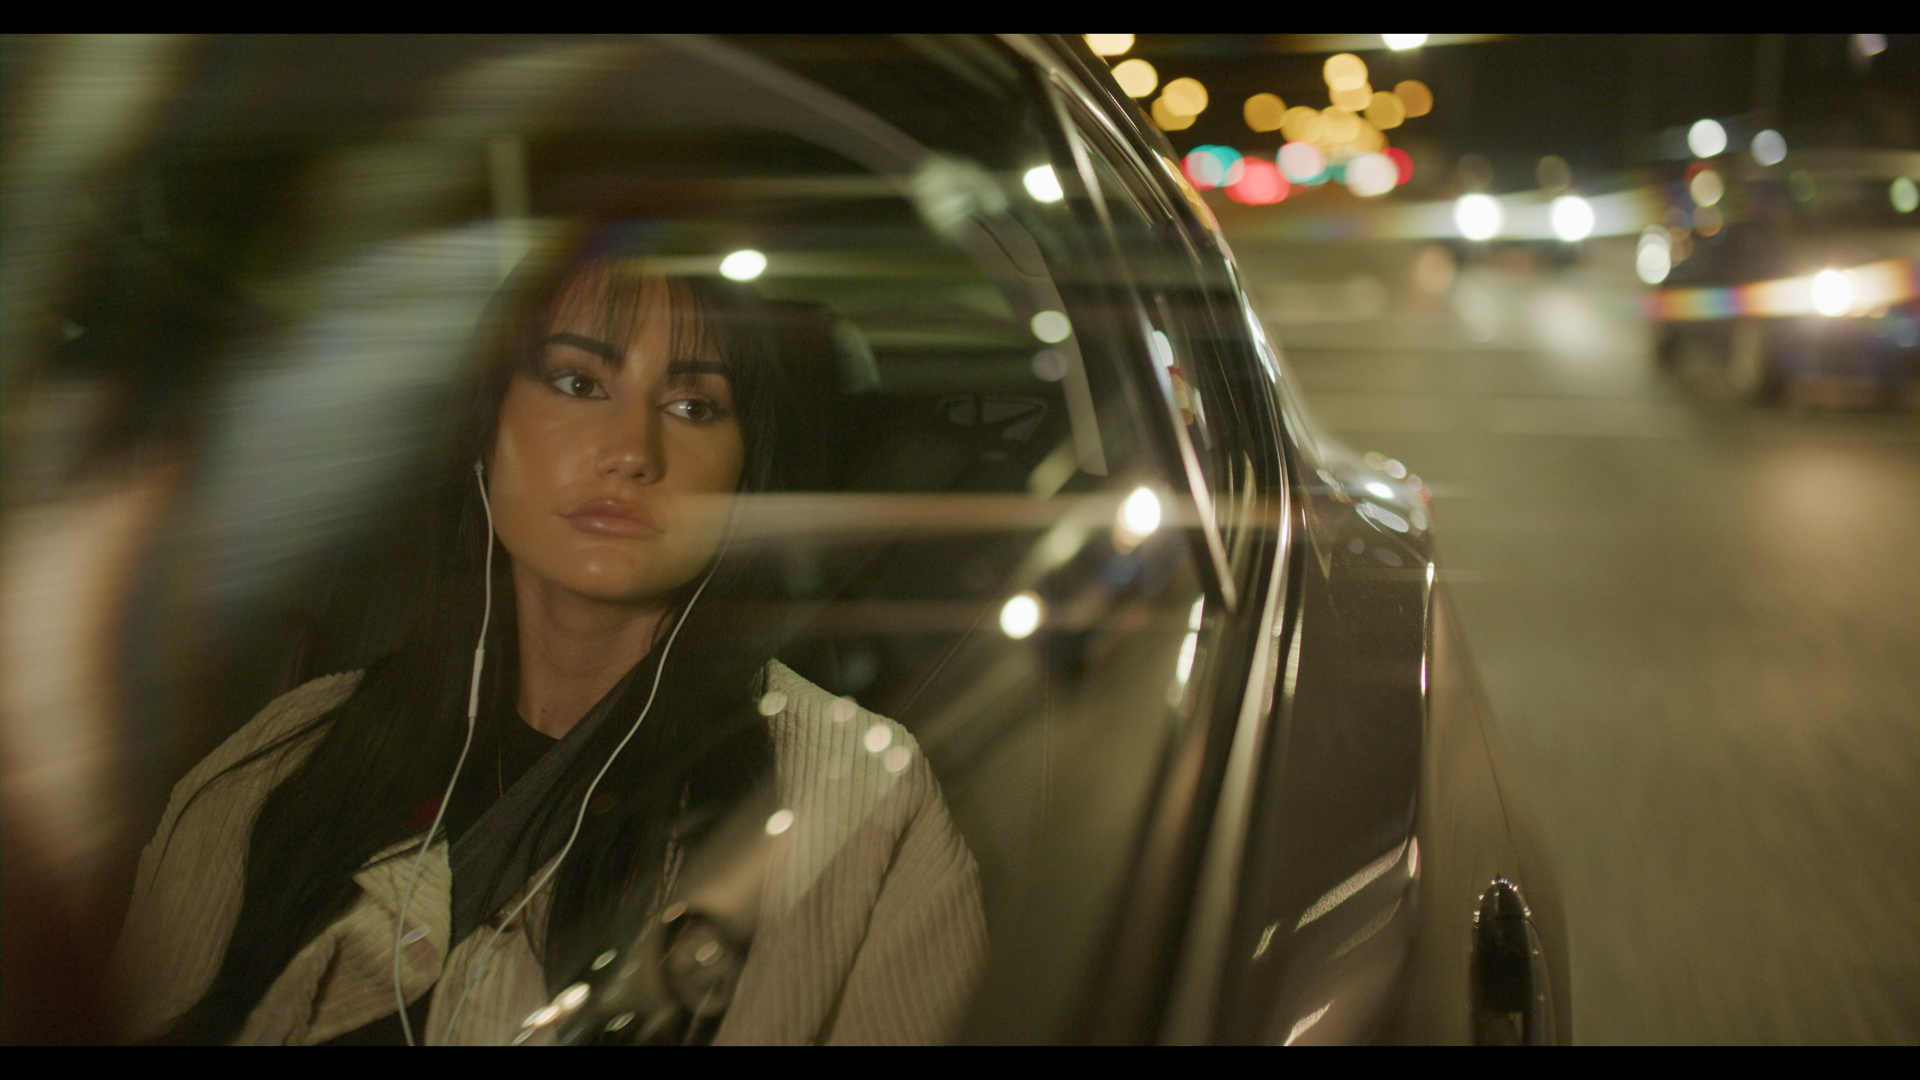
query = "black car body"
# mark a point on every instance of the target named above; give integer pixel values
(1238, 782)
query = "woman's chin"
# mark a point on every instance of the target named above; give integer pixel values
(621, 585)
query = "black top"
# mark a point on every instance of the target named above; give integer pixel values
(510, 749)
(502, 753)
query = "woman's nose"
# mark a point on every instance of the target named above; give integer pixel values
(632, 446)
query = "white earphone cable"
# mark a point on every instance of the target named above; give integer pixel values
(446, 798)
(476, 969)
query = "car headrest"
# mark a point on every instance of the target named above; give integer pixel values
(824, 358)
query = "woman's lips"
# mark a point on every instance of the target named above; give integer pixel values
(613, 517)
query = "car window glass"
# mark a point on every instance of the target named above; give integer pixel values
(1194, 329)
(974, 536)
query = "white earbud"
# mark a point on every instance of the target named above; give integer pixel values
(446, 797)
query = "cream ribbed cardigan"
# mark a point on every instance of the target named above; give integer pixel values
(870, 927)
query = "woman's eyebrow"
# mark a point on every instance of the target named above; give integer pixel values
(587, 345)
(684, 368)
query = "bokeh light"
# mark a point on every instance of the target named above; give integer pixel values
(1338, 126)
(1553, 173)
(1654, 259)
(1904, 194)
(1367, 137)
(1136, 77)
(1140, 514)
(1572, 218)
(1185, 97)
(1302, 161)
(1386, 111)
(1403, 42)
(1261, 183)
(1042, 184)
(1353, 98)
(1052, 327)
(1203, 170)
(1707, 220)
(743, 265)
(1109, 44)
(1706, 187)
(1769, 147)
(1832, 293)
(1402, 161)
(1265, 112)
(1167, 119)
(1478, 217)
(1706, 138)
(1301, 124)
(1415, 96)
(1212, 166)
(1371, 174)
(1344, 71)
(1019, 618)
(1473, 172)
(1233, 165)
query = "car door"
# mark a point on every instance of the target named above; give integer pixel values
(1316, 914)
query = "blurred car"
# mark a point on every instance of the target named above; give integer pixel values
(1179, 660)
(1800, 281)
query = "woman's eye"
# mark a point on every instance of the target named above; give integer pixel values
(697, 410)
(574, 384)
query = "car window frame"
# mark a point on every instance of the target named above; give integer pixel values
(1179, 457)
(1226, 751)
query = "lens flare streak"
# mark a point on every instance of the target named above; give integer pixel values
(1830, 292)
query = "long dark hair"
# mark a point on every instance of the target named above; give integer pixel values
(381, 759)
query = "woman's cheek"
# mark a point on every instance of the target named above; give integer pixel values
(526, 479)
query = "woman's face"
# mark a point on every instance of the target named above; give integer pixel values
(615, 461)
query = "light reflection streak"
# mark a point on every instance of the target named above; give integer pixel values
(779, 517)
(1874, 285)
(1266, 940)
(1527, 216)
(1374, 925)
(1188, 648)
(1344, 891)
(1306, 1022)
(1382, 516)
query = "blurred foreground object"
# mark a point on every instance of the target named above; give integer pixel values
(71, 552)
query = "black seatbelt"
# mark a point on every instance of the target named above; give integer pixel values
(494, 859)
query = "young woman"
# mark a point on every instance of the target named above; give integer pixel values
(648, 809)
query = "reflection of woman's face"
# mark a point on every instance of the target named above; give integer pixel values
(615, 460)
